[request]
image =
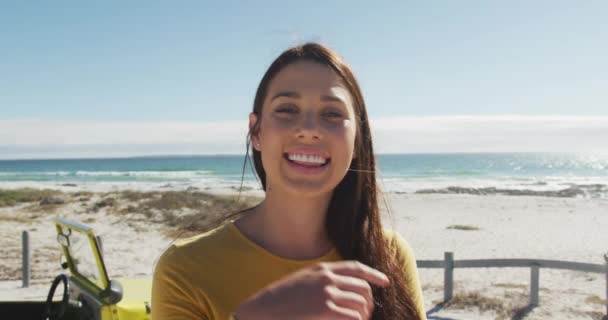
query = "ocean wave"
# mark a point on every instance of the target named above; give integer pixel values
(594, 187)
(574, 191)
(442, 172)
(151, 174)
(37, 173)
(145, 174)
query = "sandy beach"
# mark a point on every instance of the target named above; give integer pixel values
(569, 229)
(139, 225)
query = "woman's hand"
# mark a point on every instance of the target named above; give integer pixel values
(333, 290)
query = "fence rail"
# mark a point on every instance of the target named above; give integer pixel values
(514, 263)
(449, 264)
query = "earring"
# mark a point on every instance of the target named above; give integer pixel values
(257, 144)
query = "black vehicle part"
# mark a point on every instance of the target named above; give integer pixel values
(49, 313)
(113, 292)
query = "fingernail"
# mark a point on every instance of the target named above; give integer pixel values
(385, 277)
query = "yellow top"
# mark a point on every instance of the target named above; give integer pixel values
(209, 275)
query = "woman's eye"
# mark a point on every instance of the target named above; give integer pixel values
(333, 115)
(286, 110)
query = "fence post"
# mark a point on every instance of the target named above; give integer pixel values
(534, 285)
(606, 260)
(448, 276)
(25, 256)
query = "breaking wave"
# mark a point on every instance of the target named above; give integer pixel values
(574, 191)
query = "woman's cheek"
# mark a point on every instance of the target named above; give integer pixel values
(344, 129)
(346, 123)
(336, 126)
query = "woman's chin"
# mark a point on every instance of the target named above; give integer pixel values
(306, 188)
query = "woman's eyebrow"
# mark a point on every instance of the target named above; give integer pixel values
(286, 94)
(332, 99)
(295, 95)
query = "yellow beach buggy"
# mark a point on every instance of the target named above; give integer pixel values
(87, 290)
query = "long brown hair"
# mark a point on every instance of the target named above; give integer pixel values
(353, 220)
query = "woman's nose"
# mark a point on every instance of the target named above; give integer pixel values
(308, 127)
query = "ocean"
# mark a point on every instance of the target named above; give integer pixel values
(541, 174)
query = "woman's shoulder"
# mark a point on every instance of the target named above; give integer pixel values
(393, 237)
(398, 244)
(204, 244)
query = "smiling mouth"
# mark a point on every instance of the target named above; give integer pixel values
(307, 160)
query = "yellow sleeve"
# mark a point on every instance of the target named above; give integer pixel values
(406, 256)
(173, 297)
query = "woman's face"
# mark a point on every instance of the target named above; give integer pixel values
(307, 130)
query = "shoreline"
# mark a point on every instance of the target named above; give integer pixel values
(570, 190)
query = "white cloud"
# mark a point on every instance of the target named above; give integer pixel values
(78, 133)
(503, 133)
(400, 134)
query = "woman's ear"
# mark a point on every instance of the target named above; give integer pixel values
(255, 140)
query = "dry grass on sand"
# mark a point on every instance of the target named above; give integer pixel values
(115, 215)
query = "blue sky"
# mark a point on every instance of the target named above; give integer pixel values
(143, 62)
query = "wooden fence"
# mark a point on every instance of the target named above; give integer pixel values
(449, 264)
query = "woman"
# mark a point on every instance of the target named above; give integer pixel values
(314, 248)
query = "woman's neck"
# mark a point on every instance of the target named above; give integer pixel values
(288, 225)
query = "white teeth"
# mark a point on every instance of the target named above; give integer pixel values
(306, 158)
